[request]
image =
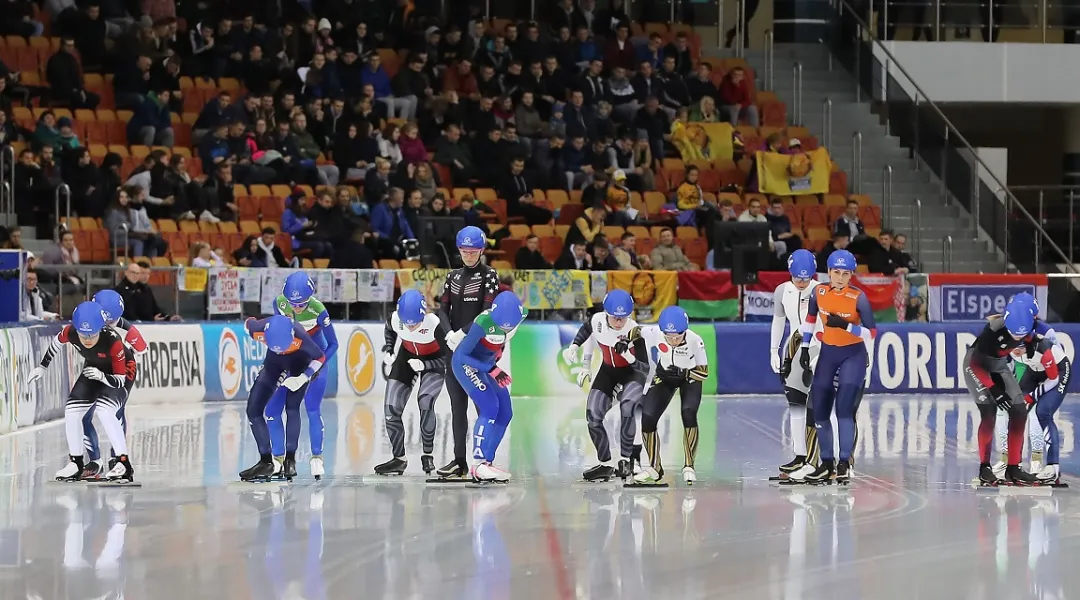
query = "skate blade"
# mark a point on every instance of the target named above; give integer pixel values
(106, 483)
(1014, 490)
(448, 480)
(392, 479)
(641, 485)
(1058, 486)
(582, 484)
(780, 477)
(257, 484)
(483, 483)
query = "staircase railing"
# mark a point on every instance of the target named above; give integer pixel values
(933, 140)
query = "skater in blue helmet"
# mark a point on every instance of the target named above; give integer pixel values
(475, 368)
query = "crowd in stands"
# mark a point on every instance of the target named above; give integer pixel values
(362, 117)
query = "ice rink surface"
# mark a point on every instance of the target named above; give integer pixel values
(910, 526)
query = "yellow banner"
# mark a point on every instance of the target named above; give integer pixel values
(696, 141)
(538, 290)
(794, 174)
(193, 279)
(653, 291)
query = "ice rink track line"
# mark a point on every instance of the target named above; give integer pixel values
(554, 547)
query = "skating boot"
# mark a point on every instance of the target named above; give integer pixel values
(1014, 475)
(394, 466)
(1036, 466)
(92, 470)
(988, 476)
(1049, 475)
(648, 475)
(823, 475)
(279, 467)
(799, 476)
(316, 466)
(260, 471)
(689, 475)
(999, 469)
(122, 472)
(454, 469)
(72, 471)
(489, 473)
(112, 462)
(843, 472)
(427, 463)
(601, 472)
(795, 464)
(288, 468)
(624, 470)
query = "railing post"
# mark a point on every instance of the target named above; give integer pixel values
(770, 55)
(976, 200)
(63, 188)
(796, 85)
(946, 254)
(886, 193)
(884, 35)
(944, 165)
(1008, 217)
(856, 161)
(1043, 18)
(1072, 218)
(116, 242)
(740, 31)
(1038, 237)
(826, 120)
(916, 144)
(916, 223)
(937, 20)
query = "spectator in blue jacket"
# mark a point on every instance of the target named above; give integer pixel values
(216, 111)
(375, 76)
(294, 222)
(151, 123)
(214, 148)
(389, 228)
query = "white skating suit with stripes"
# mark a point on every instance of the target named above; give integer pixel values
(423, 342)
(790, 305)
(688, 355)
(604, 337)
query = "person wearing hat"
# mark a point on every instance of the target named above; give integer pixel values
(617, 199)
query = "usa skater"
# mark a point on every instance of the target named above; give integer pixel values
(292, 360)
(678, 363)
(475, 368)
(112, 304)
(791, 301)
(100, 387)
(298, 302)
(844, 357)
(622, 371)
(420, 362)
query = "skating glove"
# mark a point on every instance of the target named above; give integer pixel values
(804, 362)
(416, 365)
(621, 346)
(454, 338)
(583, 377)
(785, 369)
(387, 364)
(670, 375)
(36, 373)
(94, 373)
(569, 355)
(774, 360)
(1003, 401)
(836, 321)
(294, 383)
(501, 377)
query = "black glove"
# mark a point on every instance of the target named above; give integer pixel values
(836, 321)
(671, 374)
(622, 346)
(785, 369)
(804, 362)
(1002, 399)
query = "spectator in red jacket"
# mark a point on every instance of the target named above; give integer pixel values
(620, 51)
(737, 98)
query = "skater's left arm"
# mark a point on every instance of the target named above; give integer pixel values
(465, 349)
(491, 288)
(327, 329)
(807, 328)
(311, 349)
(134, 338)
(119, 364)
(1055, 365)
(700, 372)
(868, 328)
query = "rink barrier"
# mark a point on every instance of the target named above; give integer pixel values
(214, 362)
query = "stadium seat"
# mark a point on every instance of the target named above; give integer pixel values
(543, 230)
(551, 248)
(519, 231)
(389, 263)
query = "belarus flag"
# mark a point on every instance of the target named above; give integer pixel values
(708, 295)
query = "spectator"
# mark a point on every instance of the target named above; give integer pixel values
(139, 301)
(118, 216)
(617, 199)
(40, 302)
(214, 113)
(679, 50)
(575, 258)
(656, 125)
(413, 209)
(64, 252)
(354, 254)
(666, 256)
(389, 226)
(587, 226)
(625, 253)
(700, 85)
(424, 181)
(377, 183)
(849, 223)
(412, 87)
(389, 146)
(151, 122)
(308, 150)
(437, 207)
(267, 254)
(9, 131)
(84, 180)
(294, 221)
(754, 214)
(517, 192)
(529, 257)
(693, 209)
(132, 82)
(375, 76)
(620, 51)
(203, 257)
(885, 259)
(18, 19)
(602, 258)
(14, 241)
(46, 132)
(468, 210)
(840, 241)
(217, 193)
(453, 154)
(142, 227)
(904, 259)
(784, 239)
(412, 147)
(736, 98)
(355, 151)
(705, 111)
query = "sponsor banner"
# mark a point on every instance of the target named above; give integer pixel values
(598, 286)
(223, 292)
(374, 285)
(193, 279)
(538, 290)
(653, 291)
(173, 368)
(45, 399)
(757, 301)
(955, 298)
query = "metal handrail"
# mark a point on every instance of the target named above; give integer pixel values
(116, 241)
(6, 198)
(63, 187)
(740, 31)
(770, 56)
(826, 120)
(856, 161)
(887, 194)
(954, 132)
(796, 85)
(916, 224)
(946, 254)
(7, 173)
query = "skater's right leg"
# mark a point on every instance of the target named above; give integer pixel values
(90, 437)
(459, 408)
(1044, 414)
(653, 406)
(597, 405)
(430, 383)
(266, 384)
(79, 402)
(275, 422)
(397, 394)
(797, 425)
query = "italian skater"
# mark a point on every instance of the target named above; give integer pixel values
(112, 304)
(678, 363)
(993, 385)
(475, 367)
(293, 359)
(791, 302)
(621, 377)
(100, 387)
(467, 292)
(420, 362)
(838, 380)
(298, 302)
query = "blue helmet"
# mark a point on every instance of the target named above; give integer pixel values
(112, 303)
(507, 311)
(299, 288)
(802, 264)
(673, 320)
(88, 318)
(842, 259)
(412, 307)
(278, 333)
(1024, 298)
(471, 238)
(619, 304)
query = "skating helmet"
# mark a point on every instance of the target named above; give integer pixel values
(298, 289)
(88, 319)
(673, 320)
(1019, 317)
(412, 307)
(802, 264)
(619, 304)
(1028, 299)
(507, 311)
(278, 333)
(112, 303)
(843, 260)
(471, 238)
